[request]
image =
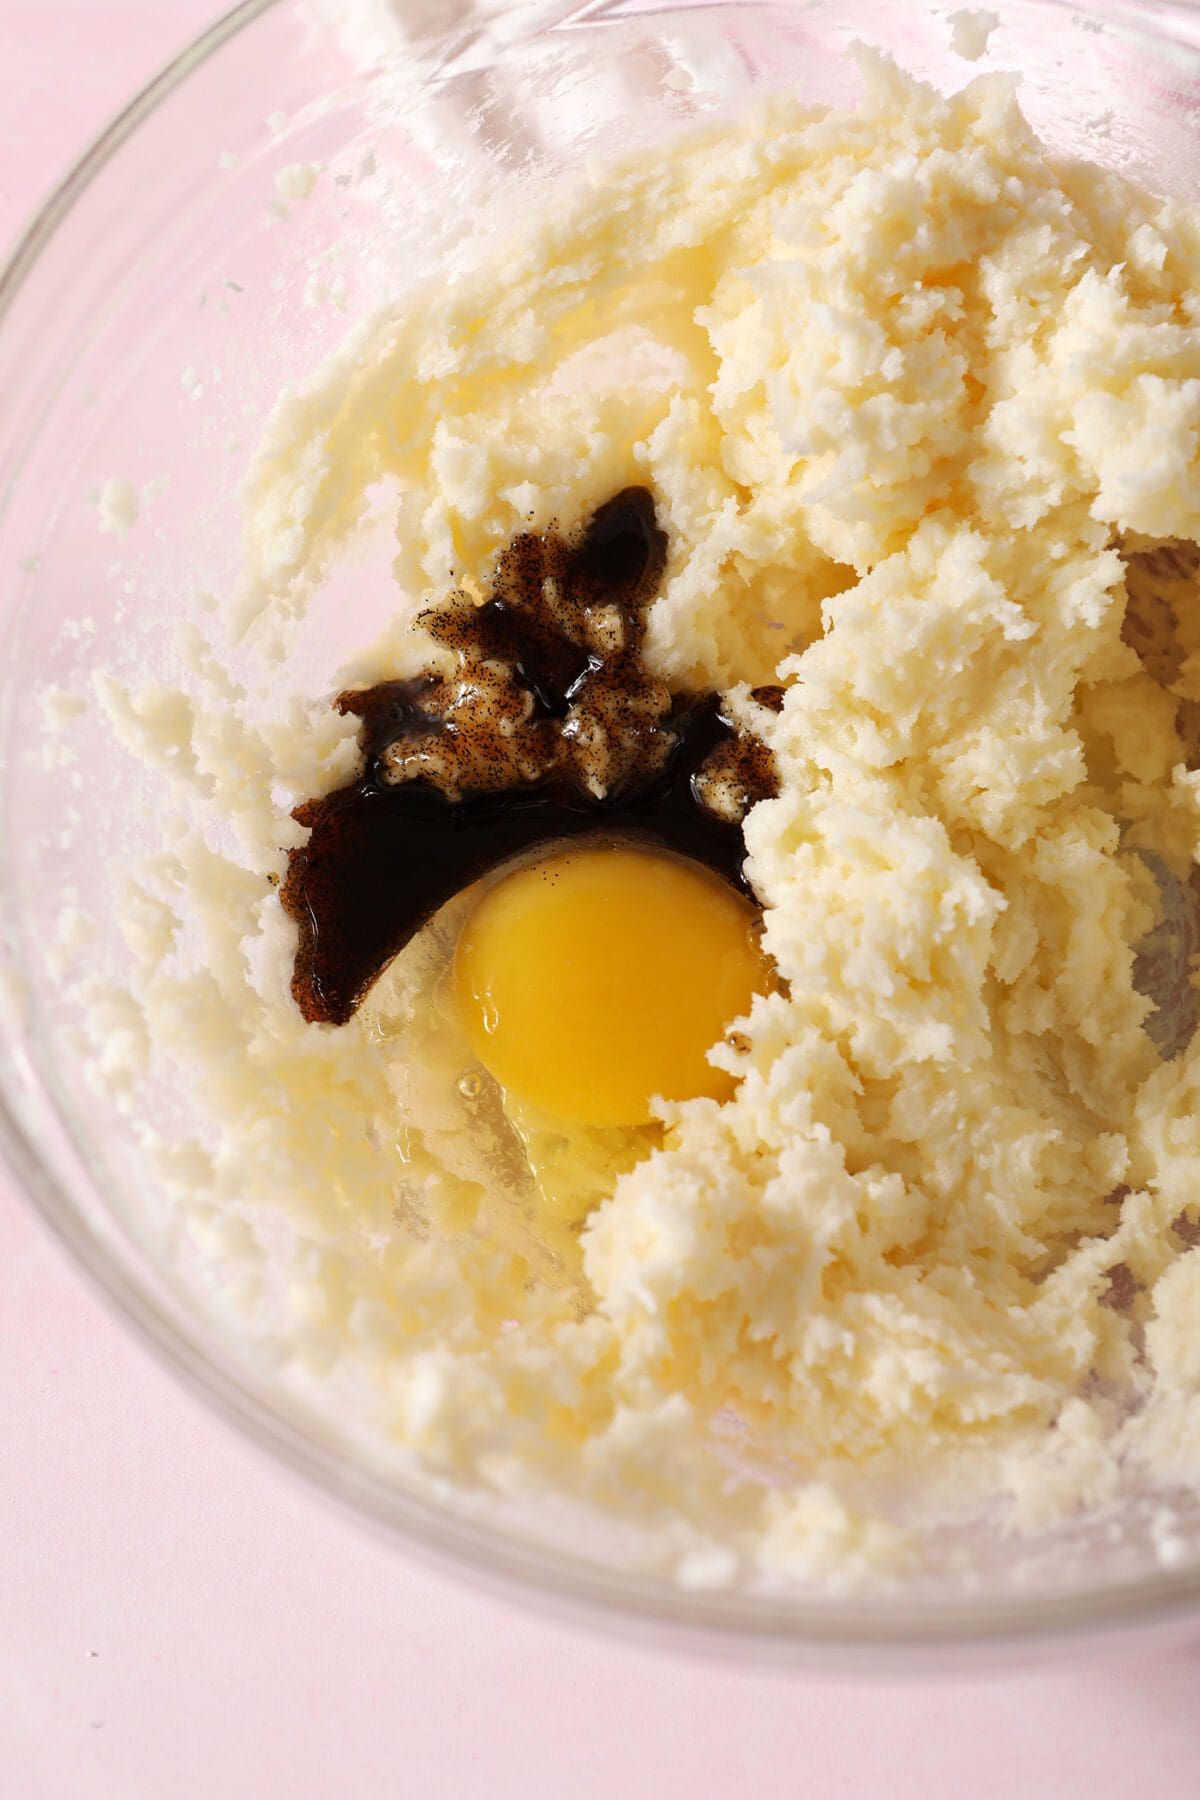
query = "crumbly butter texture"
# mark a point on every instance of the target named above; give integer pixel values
(912, 399)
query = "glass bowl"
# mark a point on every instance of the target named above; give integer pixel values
(293, 166)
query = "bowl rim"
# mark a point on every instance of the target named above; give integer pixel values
(833, 1635)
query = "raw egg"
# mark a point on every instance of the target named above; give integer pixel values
(598, 977)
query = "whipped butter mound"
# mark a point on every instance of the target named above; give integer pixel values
(919, 409)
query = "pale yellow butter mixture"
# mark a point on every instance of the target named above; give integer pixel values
(916, 404)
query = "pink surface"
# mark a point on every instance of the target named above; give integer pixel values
(179, 1618)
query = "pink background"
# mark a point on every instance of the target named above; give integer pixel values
(178, 1617)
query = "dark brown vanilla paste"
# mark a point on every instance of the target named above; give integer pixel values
(551, 726)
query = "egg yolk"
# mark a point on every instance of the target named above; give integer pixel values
(597, 978)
